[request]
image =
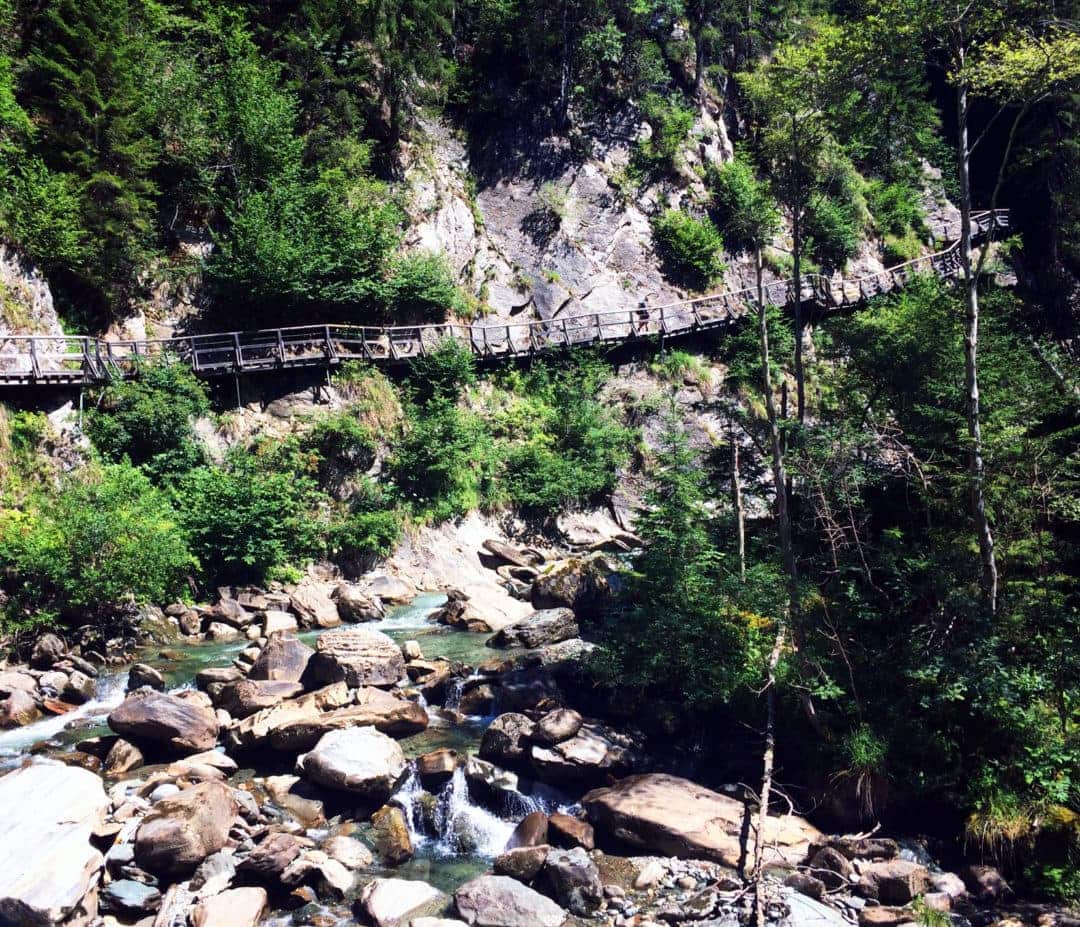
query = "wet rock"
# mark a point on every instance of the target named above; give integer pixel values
(190, 622)
(80, 688)
(806, 884)
(557, 726)
(360, 760)
(313, 867)
(183, 830)
(985, 884)
(130, 899)
(283, 659)
(212, 676)
(894, 881)
(247, 696)
(254, 732)
(804, 911)
(499, 901)
(567, 832)
(121, 758)
(531, 831)
(351, 853)
(48, 649)
(387, 713)
(48, 868)
(357, 656)
(215, 873)
(522, 863)
(221, 633)
(526, 689)
(507, 739)
(18, 709)
(356, 605)
(861, 847)
(313, 605)
(592, 755)
(270, 858)
(165, 721)
(142, 674)
(938, 901)
(390, 589)
(436, 768)
(237, 907)
(390, 834)
(540, 629)
(297, 797)
(518, 556)
(276, 621)
(460, 613)
(52, 683)
(478, 700)
(487, 778)
(396, 902)
(574, 880)
(14, 681)
(949, 883)
(666, 814)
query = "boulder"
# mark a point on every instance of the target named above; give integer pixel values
(52, 682)
(540, 629)
(831, 866)
(313, 605)
(390, 834)
(358, 657)
(351, 853)
(183, 830)
(507, 738)
(574, 880)
(14, 681)
(190, 622)
(436, 768)
(48, 649)
(283, 659)
(237, 907)
(18, 709)
(806, 884)
(142, 674)
(130, 899)
(165, 721)
(213, 677)
(557, 726)
(804, 911)
(531, 831)
(459, 613)
(221, 633)
(668, 815)
(885, 916)
(360, 760)
(49, 870)
(948, 883)
(356, 605)
(592, 755)
(575, 584)
(387, 713)
(567, 832)
(270, 858)
(255, 731)
(390, 589)
(313, 867)
(862, 847)
(396, 902)
(499, 901)
(985, 884)
(298, 798)
(276, 621)
(248, 696)
(894, 881)
(518, 556)
(121, 758)
(80, 688)
(522, 863)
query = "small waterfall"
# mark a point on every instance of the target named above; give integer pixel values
(456, 689)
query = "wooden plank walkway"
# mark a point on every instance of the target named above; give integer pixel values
(34, 360)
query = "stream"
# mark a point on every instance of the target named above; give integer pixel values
(453, 841)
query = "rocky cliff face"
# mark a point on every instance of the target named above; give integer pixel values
(26, 302)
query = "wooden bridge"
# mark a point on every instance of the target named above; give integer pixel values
(34, 360)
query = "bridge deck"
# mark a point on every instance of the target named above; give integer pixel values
(34, 360)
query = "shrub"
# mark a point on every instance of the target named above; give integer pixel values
(690, 246)
(896, 207)
(149, 420)
(832, 231)
(244, 520)
(361, 538)
(338, 446)
(106, 536)
(443, 372)
(744, 209)
(902, 248)
(421, 286)
(670, 125)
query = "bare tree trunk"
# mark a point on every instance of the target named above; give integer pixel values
(737, 502)
(796, 253)
(768, 758)
(564, 75)
(976, 467)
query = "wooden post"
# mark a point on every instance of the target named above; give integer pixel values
(238, 360)
(35, 367)
(509, 342)
(281, 347)
(565, 333)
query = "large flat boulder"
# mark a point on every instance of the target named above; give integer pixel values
(312, 602)
(658, 813)
(237, 907)
(396, 902)
(283, 659)
(255, 731)
(593, 754)
(248, 696)
(500, 901)
(183, 830)
(387, 713)
(48, 868)
(358, 657)
(165, 721)
(360, 760)
(549, 626)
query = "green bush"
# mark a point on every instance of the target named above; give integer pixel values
(744, 209)
(670, 125)
(105, 536)
(244, 521)
(337, 447)
(363, 537)
(690, 247)
(149, 420)
(899, 249)
(896, 207)
(421, 287)
(443, 372)
(832, 232)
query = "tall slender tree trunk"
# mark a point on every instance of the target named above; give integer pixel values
(737, 501)
(976, 467)
(796, 253)
(767, 765)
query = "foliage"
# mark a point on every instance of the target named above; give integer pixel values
(746, 214)
(104, 537)
(832, 232)
(443, 372)
(690, 246)
(421, 287)
(670, 124)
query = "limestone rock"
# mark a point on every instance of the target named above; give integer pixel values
(522, 863)
(806, 884)
(894, 881)
(313, 605)
(121, 758)
(355, 604)
(594, 753)
(351, 853)
(270, 858)
(48, 649)
(283, 659)
(540, 629)
(387, 713)
(183, 830)
(276, 621)
(436, 768)
(985, 883)
(390, 589)
(531, 831)
(360, 760)
(142, 674)
(237, 907)
(80, 688)
(244, 698)
(48, 868)
(557, 726)
(18, 709)
(396, 902)
(574, 880)
(130, 899)
(390, 834)
(666, 814)
(297, 797)
(507, 738)
(499, 901)
(165, 721)
(357, 656)
(255, 731)
(518, 556)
